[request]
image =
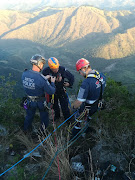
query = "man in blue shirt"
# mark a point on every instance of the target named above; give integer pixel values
(61, 74)
(35, 85)
(91, 89)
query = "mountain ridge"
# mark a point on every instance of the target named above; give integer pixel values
(99, 33)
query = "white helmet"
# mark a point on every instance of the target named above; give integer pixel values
(36, 59)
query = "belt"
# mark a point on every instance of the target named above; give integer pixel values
(91, 105)
(35, 98)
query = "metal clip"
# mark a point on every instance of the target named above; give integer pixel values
(25, 104)
(52, 99)
(100, 104)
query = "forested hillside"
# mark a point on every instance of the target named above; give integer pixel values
(106, 38)
(95, 32)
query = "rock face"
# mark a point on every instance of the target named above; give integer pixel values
(104, 165)
(105, 159)
(101, 153)
(3, 131)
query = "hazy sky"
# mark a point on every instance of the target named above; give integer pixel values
(4, 2)
(97, 3)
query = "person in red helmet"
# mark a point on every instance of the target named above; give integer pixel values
(91, 89)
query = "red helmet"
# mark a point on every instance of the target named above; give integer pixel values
(81, 63)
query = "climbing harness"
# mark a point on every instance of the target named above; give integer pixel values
(25, 104)
(35, 98)
(99, 100)
(48, 103)
(52, 99)
(80, 120)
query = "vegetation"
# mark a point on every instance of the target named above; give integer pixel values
(119, 113)
(10, 110)
(116, 125)
(95, 32)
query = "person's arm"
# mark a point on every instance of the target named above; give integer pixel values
(82, 95)
(68, 75)
(49, 88)
(76, 104)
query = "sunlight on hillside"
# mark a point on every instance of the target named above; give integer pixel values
(110, 34)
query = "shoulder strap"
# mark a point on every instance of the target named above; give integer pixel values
(97, 76)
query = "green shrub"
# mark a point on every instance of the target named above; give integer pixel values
(119, 112)
(10, 111)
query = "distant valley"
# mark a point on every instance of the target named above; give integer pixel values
(106, 38)
(91, 31)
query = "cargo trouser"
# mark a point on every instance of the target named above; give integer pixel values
(30, 113)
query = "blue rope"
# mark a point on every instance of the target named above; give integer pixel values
(36, 146)
(65, 147)
(69, 102)
(50, 164)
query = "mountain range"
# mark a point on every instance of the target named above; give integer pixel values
(91, 31)
(107, 38)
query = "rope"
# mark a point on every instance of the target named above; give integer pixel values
(56, 146)
(37, 145)
(77, 120)
(66, 145)
(69, 102)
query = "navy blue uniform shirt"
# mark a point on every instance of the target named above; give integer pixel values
(35, 84)
(61, 72)
(90, 89)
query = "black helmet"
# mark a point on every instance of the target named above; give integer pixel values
(36, 59)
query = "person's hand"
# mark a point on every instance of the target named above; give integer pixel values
(72, 105)
(73, 109)
(53, 79)
(47, 77)
(59, 79)
(66, 84)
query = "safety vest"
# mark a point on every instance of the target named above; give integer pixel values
(97, 76)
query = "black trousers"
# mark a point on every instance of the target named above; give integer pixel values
(61, 101)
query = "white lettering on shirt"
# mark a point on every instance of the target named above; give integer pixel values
(29, 83)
